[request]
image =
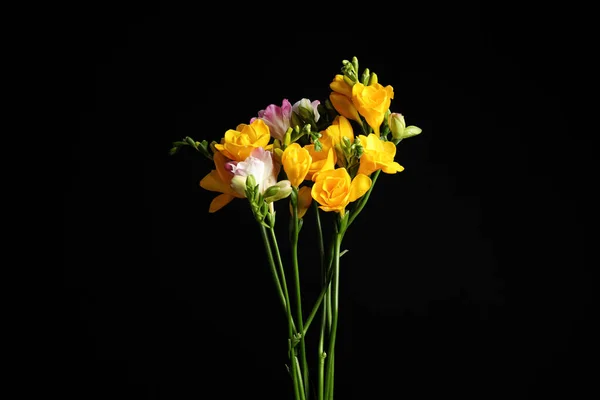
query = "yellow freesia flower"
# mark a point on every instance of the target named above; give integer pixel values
(341, 98)
(219, 180)
(332, 136)
(321, 160)
(304, 201)
(372, 102)
(239, 143)
(296, 162)
(378, 154)
(334, 189)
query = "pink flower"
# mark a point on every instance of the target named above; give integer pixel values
(260, 165)
(277, 118)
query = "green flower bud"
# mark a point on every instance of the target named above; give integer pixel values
(280, 190)
(358, 148)
(349, 81)
(191, 142)
(355, 63)
(272, 191)
(365, 77)
(372, 79)
(251, 182)
(399, 129)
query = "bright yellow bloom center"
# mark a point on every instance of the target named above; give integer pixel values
(239, 143)
(334, 190)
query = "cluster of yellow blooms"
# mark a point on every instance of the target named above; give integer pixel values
(322, 156)
(328, 155)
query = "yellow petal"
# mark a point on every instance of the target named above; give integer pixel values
(337, 209)
(296, 163)
(344, 106)
(367, 166)
(375, 143)
(345, 128)
(392, 168)
(220, 161)
(340, 86)
(219, 202)
(213, 182)
(304, 201)
(323, 165)
(333, 173)
(389, 148)
(359, 186)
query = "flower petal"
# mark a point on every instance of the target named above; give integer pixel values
(392, 168)
(213, 183)
(219, 202)
(359, 186)
(344, 106)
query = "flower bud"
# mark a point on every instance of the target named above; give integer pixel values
(272, 191)
(287, 138)
(280, 190)
(296, 162)
(365, 77)
(372, 79)
(399, 129)
(251, 181)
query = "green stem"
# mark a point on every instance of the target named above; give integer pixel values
(317, 304)
(299, 377)
(335, 305)
(328, 294)
(299, 316)
(363, 201)
(321, 354)
(331, 385)
(294, 373)
(284, 291)
(320, 237)
(283, 296)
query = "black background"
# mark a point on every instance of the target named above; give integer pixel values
(468, 274)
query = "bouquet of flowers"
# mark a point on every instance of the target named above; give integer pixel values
(321, 155)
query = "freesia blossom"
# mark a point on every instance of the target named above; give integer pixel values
(258, 164)
(305, 108)
(219, 180)
(341, 98)
(296, 162)
(321, 160)
(377, 154)
(372, 102)
(277, 118)
(239, 143)
(334, 189)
